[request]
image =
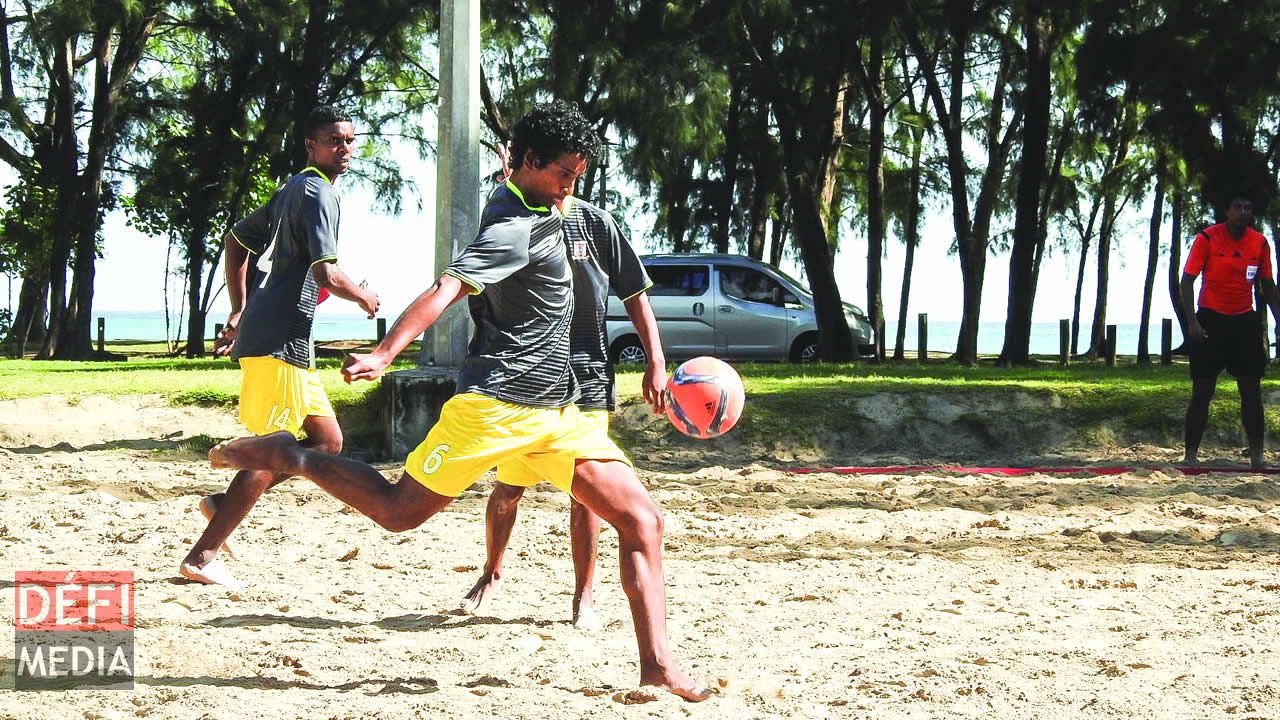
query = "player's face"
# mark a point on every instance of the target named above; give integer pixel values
(330, 146)
(1240, 213)
(551, 183)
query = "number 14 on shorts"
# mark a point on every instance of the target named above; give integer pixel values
(279, 418)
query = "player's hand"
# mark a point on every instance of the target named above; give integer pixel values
(369, 301)
(504, 156)
(1195, 332)
(222, 344)
(654, 387)
(364, 366)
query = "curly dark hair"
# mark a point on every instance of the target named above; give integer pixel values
(320, 116)
(551, 130)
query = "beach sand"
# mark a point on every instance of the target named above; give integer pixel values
(1150, 595)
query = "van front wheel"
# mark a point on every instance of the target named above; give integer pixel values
(805, 349)
(628, 350)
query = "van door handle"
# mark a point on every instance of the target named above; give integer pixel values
(725, 309)
(698, 309)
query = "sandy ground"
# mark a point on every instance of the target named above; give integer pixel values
(1148, 595)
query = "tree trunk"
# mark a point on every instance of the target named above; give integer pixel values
(1153, 258)
(912, 240)
(781, 229)
(729, 163)
(29, 321)
(837, 341)
(64, 156)
(807, 133)
(111, 73)
(875, 187)
(972, 232)
(1052, 185)
(1097, 334)
(1026, 226)
(1175, 265)
(1075, 307)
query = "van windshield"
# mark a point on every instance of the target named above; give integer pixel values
(804, 289)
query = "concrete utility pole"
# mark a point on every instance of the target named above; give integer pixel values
(457, 168)
(416, 396)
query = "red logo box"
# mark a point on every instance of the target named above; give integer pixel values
(74, 601)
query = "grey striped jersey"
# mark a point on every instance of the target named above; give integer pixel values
(296, 229)
(603, 262)
(521, 302)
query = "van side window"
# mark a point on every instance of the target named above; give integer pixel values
(679, 280)
(749, 285)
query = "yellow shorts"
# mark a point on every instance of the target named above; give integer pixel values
(275, 395)
(476, 433)
(518, 472)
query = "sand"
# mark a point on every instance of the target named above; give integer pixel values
(1148, 595)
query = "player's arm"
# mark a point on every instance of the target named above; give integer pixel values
(420, 315)
(1186, 291)
(235, 264)
(1272, 295)
(331, 277)
(655, 373)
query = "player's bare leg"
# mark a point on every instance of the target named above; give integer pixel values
(397, 506)
(1197, 417)
(225, 511)
(499, 519)
(611, 490)
(584, 532)
(1251, 418)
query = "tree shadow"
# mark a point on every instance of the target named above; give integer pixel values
(194, 445)
(392, 686)
(399, 623)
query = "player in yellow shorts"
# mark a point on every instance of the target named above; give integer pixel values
(518, 276)
(604, 263)
(280, 256)
(462, 446)
(275, 395)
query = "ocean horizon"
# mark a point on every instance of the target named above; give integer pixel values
(150, 326)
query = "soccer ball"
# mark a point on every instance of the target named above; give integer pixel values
(704, 397)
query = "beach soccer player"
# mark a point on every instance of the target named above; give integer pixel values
(603, 261)
(278, 259)
(1226, 331)
(515, 390)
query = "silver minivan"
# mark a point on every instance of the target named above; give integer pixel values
(729, 306)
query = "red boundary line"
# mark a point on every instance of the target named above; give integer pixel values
(1015, 471)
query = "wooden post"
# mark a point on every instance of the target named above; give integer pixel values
(382, 328)
(880, 340)
(102, 335)
(1166, 341)
(1064, 341)
(922, 337)
(1111, 346)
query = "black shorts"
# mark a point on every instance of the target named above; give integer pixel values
(1234, 343)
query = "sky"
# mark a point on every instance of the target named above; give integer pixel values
(395, 255)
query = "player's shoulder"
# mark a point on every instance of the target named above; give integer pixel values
(590, 210)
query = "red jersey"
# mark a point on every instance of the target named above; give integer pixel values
(1230, 267)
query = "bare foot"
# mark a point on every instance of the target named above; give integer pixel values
(209, 508)
(213, 573)
(584, 614)
(485, 588)
(277, 451)
(677, 683)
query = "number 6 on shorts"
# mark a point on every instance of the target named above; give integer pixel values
(434, 458)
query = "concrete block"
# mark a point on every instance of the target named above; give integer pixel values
(413, 406)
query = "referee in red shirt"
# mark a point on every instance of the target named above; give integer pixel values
(1226, 332)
